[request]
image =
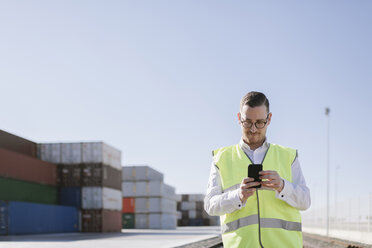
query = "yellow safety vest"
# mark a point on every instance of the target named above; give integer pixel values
(264, 222)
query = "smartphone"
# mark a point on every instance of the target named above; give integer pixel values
(253, 170)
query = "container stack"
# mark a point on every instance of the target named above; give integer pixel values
(28, 191)
(191, 211)
(148, 203)
(89, 176)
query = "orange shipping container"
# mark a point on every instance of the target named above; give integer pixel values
(128, 205)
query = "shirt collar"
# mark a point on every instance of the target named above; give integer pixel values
(245, 146)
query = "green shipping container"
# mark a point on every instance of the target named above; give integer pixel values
(16, 190)
(128, 220)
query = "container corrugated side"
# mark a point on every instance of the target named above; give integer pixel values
(196, 197)
(70, 196)
(101, 175)
(154, 189)
(31, 218)
(50, 152)
(128, 205)
(112, 221)
(101, 198)
(69, 175)
(19, 166)
(101, 221)
(16, 190)
(17, 144)
(141, 173)
(111, 156)
(128, 189)
(71, 153)
(128, 220)
(99, 152)
(155, 205)
(188, 206)
(156, 221)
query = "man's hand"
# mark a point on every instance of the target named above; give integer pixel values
(245, 190)
(273, 180)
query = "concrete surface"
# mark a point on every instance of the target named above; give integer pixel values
(130, 238)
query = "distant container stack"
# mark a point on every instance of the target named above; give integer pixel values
(89, 176)
(191, 211)
(28, 191)
(148, 203)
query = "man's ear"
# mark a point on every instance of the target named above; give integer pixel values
(239, 117)
(269, 118)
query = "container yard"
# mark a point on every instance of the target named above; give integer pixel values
(79, 192)
(191, 211)
(152, 202)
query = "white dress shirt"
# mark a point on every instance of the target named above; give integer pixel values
(217, 202)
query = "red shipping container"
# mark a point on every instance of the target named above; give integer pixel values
(128, 205)
(101, 221)
(17, 144)
(18, 166)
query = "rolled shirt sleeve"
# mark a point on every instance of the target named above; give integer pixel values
(296, 194)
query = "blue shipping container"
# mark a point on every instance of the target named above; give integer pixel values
(30, 218)
(70, 196)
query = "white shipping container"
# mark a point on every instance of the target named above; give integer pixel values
(196, 197)
(101, 198)
(111, 156)
(169, 192)
(192, 214)
(50, 152)
(161, 189)
(155, 221)
(71, 153)
(141, 173)
(155, 205)
(99, 152)
(151, 189)
(178, 198)
(188, 206)
(141, 221)
(128, 189)
(142, 189)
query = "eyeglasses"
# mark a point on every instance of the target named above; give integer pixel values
(258, 124)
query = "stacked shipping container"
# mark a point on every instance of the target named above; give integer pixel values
(191, 211)
(147, 201)
(28, 191)
(89, 176)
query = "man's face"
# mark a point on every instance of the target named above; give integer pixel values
(251, 118)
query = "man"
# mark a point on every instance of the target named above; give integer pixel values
(268, 216)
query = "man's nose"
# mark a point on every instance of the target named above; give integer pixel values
(253, 128)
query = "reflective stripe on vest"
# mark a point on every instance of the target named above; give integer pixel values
(277, 224)
(265, 223)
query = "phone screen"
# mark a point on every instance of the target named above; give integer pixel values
(253, 170)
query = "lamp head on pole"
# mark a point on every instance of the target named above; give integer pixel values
(327, 110)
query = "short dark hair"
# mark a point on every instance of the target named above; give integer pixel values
(255, 99)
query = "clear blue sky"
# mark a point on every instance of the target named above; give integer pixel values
(162, 80)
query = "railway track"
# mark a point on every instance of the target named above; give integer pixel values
(309, 241)
(318, 241)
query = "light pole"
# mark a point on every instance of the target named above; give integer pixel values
(327, 111)
(336, 175)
